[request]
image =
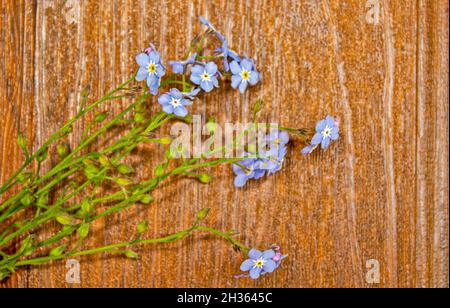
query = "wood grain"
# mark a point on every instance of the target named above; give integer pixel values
(381, 193)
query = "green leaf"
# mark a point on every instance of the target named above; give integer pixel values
(139, 117)
(131, 254)
(86, 206)
(58, 251)
(26, 246)
(142, 227)
(165, 140)
(43, 156)
(204, 178)
(124, 169)
(22, 142)
(25, 176)
(202, 214)
(63, 149)
(257, 108)
(91, 171)
(42, 200)
(146, 199)
(26, 200)
(104, 161)
(159, 171)
(123, 181)
(66, 220)
(83, 230)
(100, 117)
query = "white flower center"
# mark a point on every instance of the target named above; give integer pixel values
(326, 133)
(206, 77)
(245, 75)
(175, 102)
(259, 263)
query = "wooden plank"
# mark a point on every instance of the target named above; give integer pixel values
(381, 193)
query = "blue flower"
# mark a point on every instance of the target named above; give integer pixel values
(260, 263)
(327, 130)
(244, 73)
(224, 49)
(150, 69)
(174, 102)
(205, 76)
(211, 27)
(227, 53)
(268, 161)
(178, 67)
(308, 150)
(246, 170)
(193, 93)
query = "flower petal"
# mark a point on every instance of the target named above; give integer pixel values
(235, 68)
(247, 265)
(254, 78)
(335, 133)
(330, 121)
(142, 74)
(154, 57)
(177, 67)
(241, 180)
(236, 81)
(321, 126)
(247, 65)
(181, 111)
(317, 139)
(269, 266)
(164, 99)
(207, 86)
(243, 87)
(211, 68)
(268, 254)
(307, 150)
(255, 272)
(326, 143)
(197, 69)
(254, 254)
(196, 79)
(142, 59)
(168, 109)
(160, 70)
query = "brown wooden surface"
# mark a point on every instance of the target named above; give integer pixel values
(381, 193)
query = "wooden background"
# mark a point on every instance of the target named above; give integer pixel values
(381, 193)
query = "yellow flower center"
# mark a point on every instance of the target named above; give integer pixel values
(259, 263)
(327, 132)
(245, 75)
(152, 68)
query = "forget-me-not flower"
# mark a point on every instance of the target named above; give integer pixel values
(224, 49)
(205, 76)
(174, 102)
(268, 161)
(178, 67)
(244, 73)
(191, 94)
(326, 131)
(150, 69)
(247, 170)
(260, 263)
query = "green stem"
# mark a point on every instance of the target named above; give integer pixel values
(115, 247)
(58, 134)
